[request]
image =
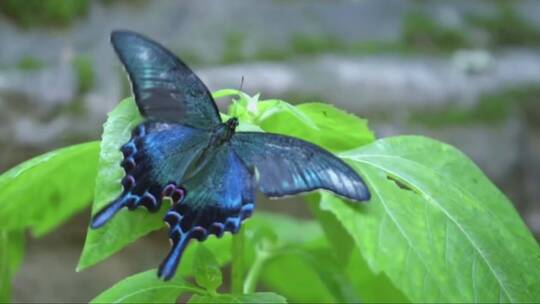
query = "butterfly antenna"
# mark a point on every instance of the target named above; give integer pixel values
(241, 83)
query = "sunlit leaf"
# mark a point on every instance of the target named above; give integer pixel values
(43, 192)
(11, 254)
(258, 297)
(126, 226)
(438, 228)
(370, 287)
(206, 269)
(336, 130)
(145, 287)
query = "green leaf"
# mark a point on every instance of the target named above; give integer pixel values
(289, 230)
(126, 226)
(269, 109)
(145, 287)
(258, 297)
(372, 288)
(336, 235)
(11, 254)
(5, 268)
(336, 130)
(438, 228)
(43, 192)
(313, 275)
(227, 93)
(206, 269)
(299, 246)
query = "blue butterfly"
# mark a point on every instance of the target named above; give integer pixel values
(184, 151)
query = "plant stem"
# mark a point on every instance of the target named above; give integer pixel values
(253, 275)
(237, 268)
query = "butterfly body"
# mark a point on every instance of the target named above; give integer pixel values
(210, 171)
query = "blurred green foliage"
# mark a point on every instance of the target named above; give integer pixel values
(28, 63)
(27, 13)
(507, 27)
(491, 108)
(422, 32)
(82, 65)
(233, 45)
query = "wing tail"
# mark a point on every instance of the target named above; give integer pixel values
(168, 267)
(107, 213)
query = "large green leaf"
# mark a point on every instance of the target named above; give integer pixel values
(145, 287)
(437, 226)
(320, 123)
(336, 130)
(370, 287)
(206, 269)
(313, 274)
(43, 192)
(11, 253)
(126, 226)
(5, 268)
(258, 297)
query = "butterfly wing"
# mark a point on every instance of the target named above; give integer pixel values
(287, 165)
(164, 87)
(158, 154)
(218, 198)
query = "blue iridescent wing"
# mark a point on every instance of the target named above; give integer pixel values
(218, 198)
(164, 87)
(287, 165)
(158, 154)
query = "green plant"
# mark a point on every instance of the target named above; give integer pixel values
(422, 32)
(43, 12)
(84, 72)
(28, 63)
(507, 27)
(491, 108)
(435, 230)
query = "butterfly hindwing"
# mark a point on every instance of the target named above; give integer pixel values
(287, 165)
(164, 87)
(158, 154)
(218, 198)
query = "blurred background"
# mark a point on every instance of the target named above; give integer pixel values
(464, 72)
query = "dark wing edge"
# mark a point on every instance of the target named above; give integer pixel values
(140, 185)
(288, 165)
(217, 200)
(164, 87)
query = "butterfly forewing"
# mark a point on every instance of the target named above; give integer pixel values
(164, 87)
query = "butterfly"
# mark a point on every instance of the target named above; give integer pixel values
(211, 172)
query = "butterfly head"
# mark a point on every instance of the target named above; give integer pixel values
(232, 123)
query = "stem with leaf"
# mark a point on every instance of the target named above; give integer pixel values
(253, 274)
(237, 268)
